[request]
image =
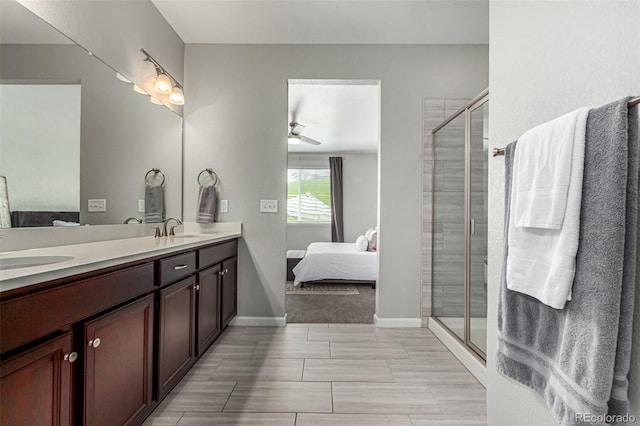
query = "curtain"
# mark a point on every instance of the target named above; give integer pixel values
(337, 231)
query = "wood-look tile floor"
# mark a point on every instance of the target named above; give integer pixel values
(325, 374)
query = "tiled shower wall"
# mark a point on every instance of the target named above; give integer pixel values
(443, 184)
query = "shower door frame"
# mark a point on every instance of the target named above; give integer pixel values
(475, 103)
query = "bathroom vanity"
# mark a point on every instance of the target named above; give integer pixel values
(104, 342)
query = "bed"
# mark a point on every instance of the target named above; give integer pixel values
(336, 262)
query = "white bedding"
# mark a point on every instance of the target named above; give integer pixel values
(336, 261)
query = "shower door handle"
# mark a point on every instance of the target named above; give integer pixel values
(472, 227)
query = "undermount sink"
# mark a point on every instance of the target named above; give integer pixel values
(29, 261)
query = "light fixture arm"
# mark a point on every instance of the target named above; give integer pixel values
(160, 69)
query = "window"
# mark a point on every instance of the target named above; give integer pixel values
(308, 196)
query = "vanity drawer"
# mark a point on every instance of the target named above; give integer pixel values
(176, 267)
(27, 318)
(216, 254)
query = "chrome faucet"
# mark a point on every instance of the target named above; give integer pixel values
(129, 219)
(171, 229)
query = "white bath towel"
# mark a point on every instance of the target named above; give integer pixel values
(542, 170)
(541, 262)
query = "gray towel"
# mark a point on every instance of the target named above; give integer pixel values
(207, 204)
(577, 359)
(154, 209)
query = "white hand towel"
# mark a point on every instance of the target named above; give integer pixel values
(542, 171)
(541, 262)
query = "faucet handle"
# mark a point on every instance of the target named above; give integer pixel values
(172, 230)
(158, 231)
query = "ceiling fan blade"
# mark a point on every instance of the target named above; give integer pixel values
(296, 128)
(309, 140)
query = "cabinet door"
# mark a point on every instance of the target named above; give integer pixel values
(229, 291)
(36, 385)
(208, 311)
(177, 333)
(119, 365)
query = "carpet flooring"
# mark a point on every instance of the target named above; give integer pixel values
(326, 289)
(351, 309)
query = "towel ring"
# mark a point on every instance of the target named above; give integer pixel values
(155, 171)
(213, 175)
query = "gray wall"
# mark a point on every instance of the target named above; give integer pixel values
(548, 58)
(234, 123)
(360, 198)
(114, 31)
(122, 134)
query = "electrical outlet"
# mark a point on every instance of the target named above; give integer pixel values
(140, 206)
(224, 206)
(269, 206)
(97, 205)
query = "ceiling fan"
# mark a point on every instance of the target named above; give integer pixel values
(295, 135)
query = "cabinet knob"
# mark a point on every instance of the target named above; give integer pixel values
(71, 357)
(94, 342)
(196, 287)
(226, 271)
(221, 272)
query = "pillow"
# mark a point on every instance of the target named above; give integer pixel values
(368, 233)
(362, 244)
(373, 241)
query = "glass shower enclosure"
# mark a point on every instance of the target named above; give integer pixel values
(459, 251)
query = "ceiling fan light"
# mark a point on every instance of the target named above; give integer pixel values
(163, 84)
(293, 139)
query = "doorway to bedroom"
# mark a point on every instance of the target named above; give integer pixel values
(332, 200)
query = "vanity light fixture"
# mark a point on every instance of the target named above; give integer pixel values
(162, 84)
(176, 97)
(139, 89)
(165, 83)
(122, 78)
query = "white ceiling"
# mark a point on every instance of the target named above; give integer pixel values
(328, 21)
(18, 25)
(344, 116)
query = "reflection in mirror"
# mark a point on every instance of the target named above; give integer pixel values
(73, 137)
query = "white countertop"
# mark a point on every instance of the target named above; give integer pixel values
(102, 254)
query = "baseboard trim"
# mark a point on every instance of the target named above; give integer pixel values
(259, 321)
(396, 322)
(471, 363)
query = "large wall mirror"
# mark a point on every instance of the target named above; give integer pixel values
(71, 131)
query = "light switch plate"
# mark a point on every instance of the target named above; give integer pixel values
(140, 206)
(97, 205)
(269, 206)
(224, 206)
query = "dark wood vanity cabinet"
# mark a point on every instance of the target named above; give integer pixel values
(35, 386)
(106, 347)
(208, 324)
(176, 341)
(229, 288)
(119, 365)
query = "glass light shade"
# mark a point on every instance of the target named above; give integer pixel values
(139, 89)
(163, 84)
(122, 78)
(155, 101)
(293, 140)
(176, 97)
